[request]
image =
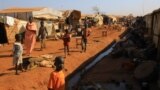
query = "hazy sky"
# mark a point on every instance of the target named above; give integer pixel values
(116, 7)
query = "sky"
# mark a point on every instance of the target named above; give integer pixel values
(111, 7)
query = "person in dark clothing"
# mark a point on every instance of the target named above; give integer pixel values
(85, 34)
(3, 34)
(42, 35)
(66, 40)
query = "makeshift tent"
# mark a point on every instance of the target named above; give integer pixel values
(19, 13)
(3, 34)
(6, 32)
(47, 13)
(100, 19)
(51, 16)
(114, 19)
(72, 17)
(22, 14)
(13, 27)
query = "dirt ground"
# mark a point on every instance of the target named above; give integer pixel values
(104, 72)
(37, 79)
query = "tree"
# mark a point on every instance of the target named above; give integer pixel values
(96, 9)
(130, 16)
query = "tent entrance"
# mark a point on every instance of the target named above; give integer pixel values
(3, 34)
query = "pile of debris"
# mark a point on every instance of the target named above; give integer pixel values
(111, 85)
(140, 48)
(136, 44)
(41, 61)
(134, 56)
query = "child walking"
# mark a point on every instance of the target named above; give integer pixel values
(42, 35)
(66, 40)
(17, 54)
(85, 34)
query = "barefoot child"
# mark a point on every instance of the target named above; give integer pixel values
(17, 53)
(85, 34)
(66, 40)
(42, 35)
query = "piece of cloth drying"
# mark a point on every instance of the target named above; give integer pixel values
(9, 21)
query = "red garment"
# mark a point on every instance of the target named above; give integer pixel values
(66, 39)
(30, 37)
(86, 33)
(57, 81)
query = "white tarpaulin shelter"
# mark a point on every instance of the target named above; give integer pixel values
(21, 16)
(7, 20)
(47, 13)
(24, 13)
(100, 19)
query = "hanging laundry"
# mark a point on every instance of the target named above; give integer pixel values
(9, 21)
(1, 19)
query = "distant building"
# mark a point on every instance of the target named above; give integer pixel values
(24, 13)
(21, 16)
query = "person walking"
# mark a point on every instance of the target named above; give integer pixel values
(66, 40)
(30, 36)
(42, 35)
(85, 34)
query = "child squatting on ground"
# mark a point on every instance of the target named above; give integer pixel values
(17, 54)
(42, 35)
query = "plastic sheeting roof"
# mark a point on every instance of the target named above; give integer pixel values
(47, 13)
(40, 12)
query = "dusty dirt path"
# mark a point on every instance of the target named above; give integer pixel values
(37, 78)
